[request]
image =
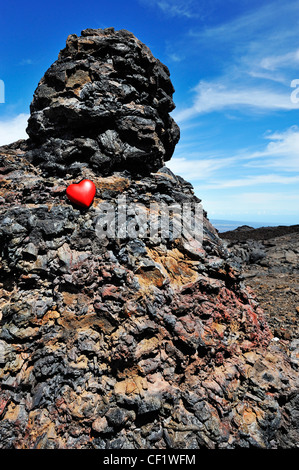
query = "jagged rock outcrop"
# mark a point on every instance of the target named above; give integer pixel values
(123, 342)
(105, 102)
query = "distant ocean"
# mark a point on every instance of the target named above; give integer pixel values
(226, 225)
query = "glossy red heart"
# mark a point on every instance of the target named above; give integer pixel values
(81, 193)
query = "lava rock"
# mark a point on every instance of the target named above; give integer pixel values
(104, 104)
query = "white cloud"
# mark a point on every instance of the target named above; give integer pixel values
(269, 197)
(276, 21)
(198, 169)
(271, 206)
(277, 61)
(266, 65)
(282, 153)
(13, 129)
(26, 62)
(257, 59)
(252, 180)
(220, 95)
(181, 8)
(279, 157)
(244, 66)
(2, 91)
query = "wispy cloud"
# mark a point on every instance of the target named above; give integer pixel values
(275, 62)
(181, 8)
(271, 165)
(198, 169)
(270, 20)
(174, 57)
(242, 69)
(256, 180)
(256, 57)
(13, 129)
(282, 152)
(274, 206)
(26, 62)
(220, 95)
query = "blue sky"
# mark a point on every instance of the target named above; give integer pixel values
(232, 64)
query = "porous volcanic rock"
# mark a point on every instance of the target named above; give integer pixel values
(124, 342)
(105, 102)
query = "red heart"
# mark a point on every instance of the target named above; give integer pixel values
(82, 193)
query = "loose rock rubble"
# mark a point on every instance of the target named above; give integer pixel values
(112, 343)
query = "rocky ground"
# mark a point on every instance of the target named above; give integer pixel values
(269, 260)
